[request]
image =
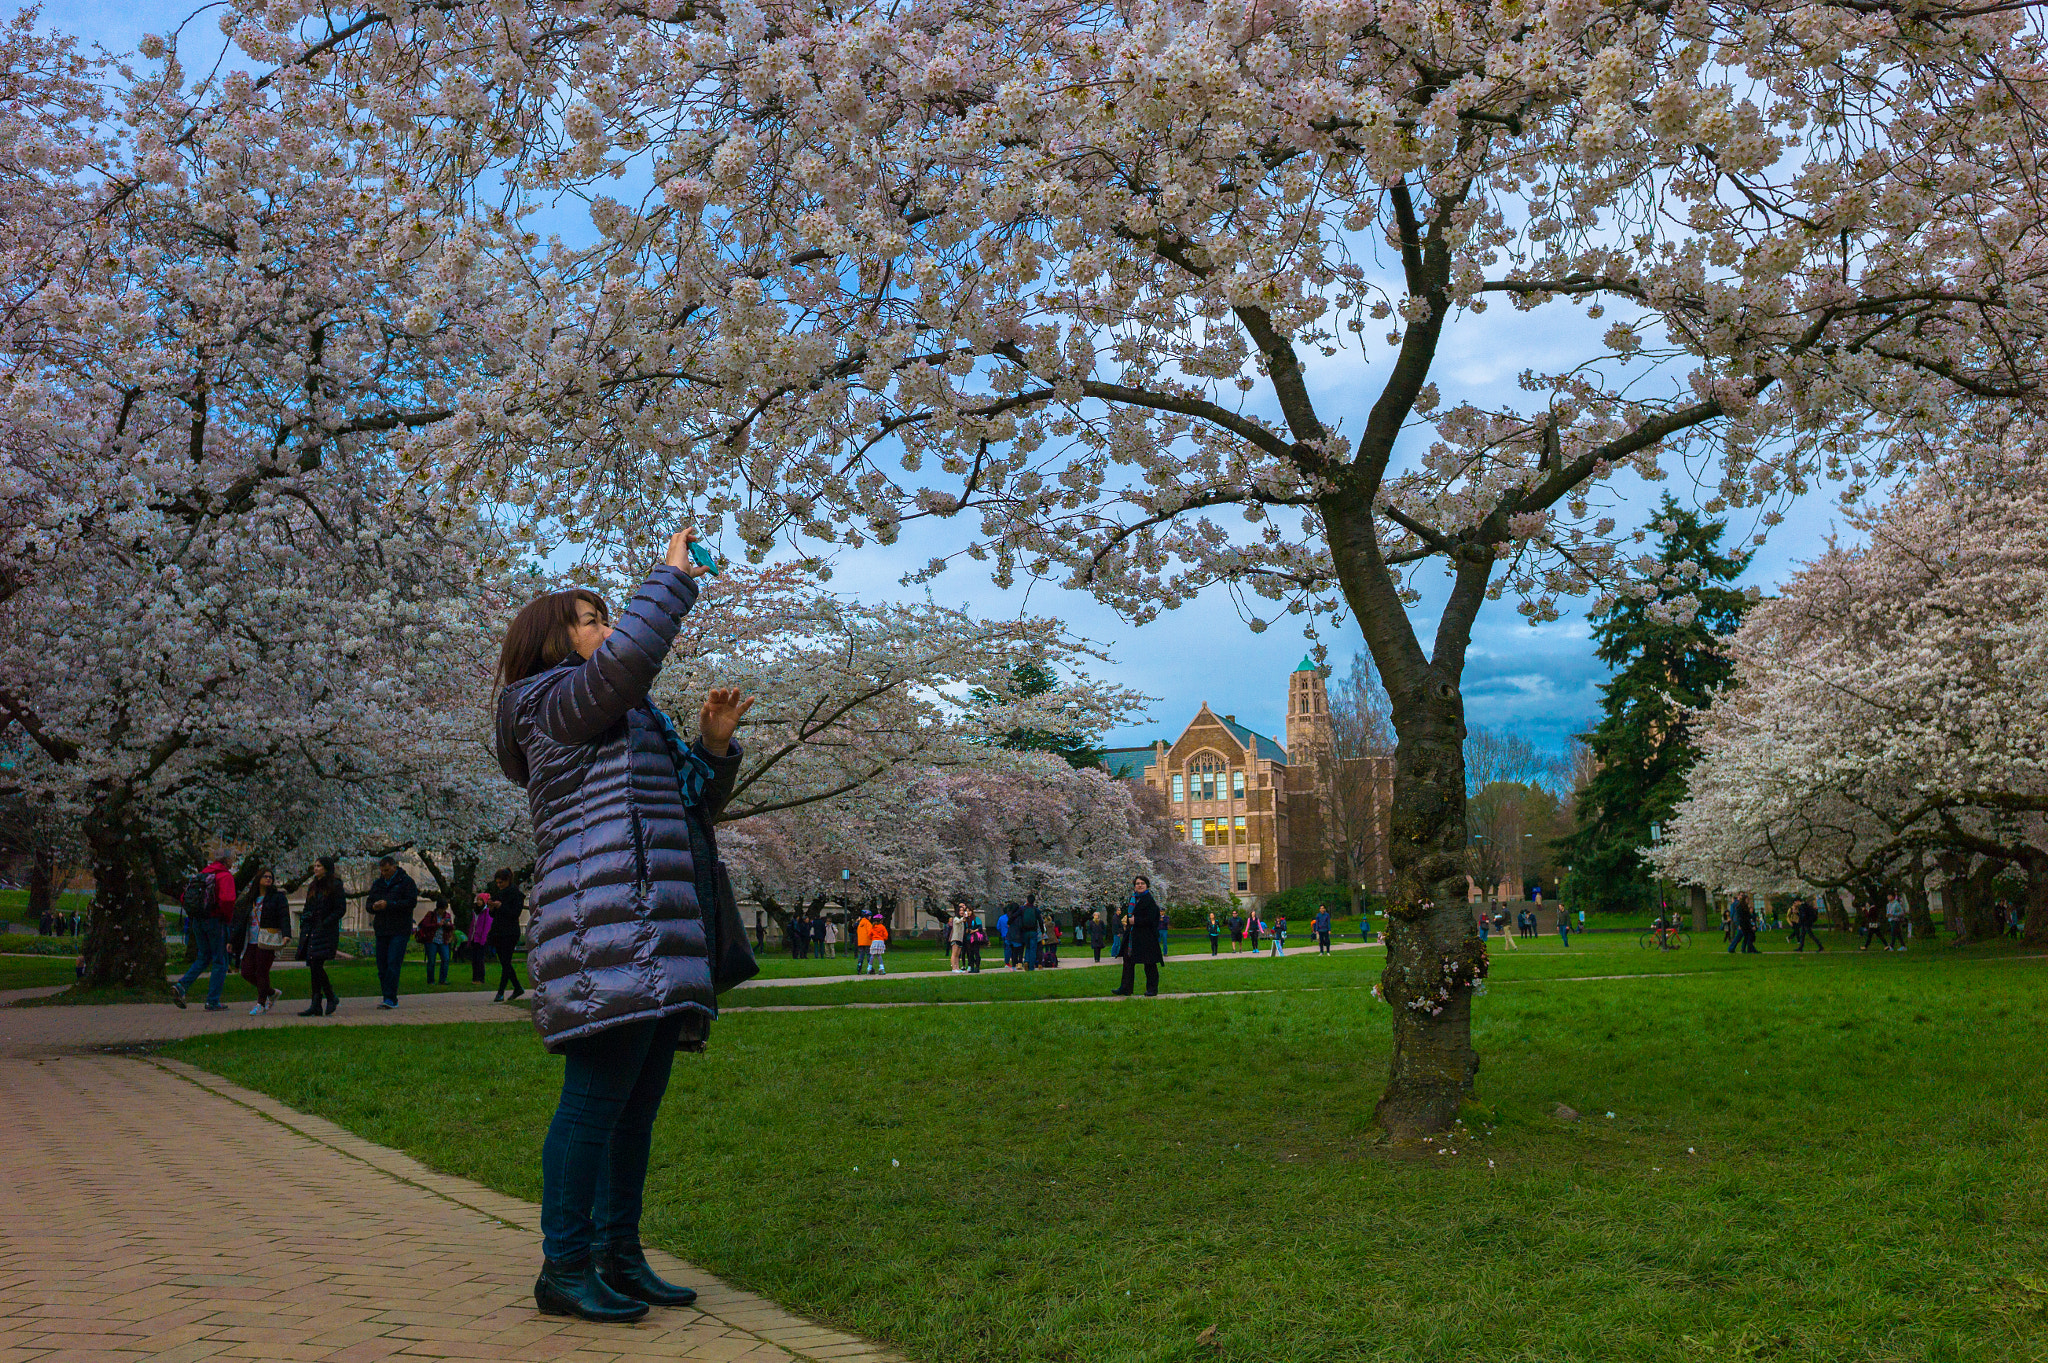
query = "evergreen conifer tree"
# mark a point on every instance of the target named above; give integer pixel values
(1666, 661)
(1031, 679)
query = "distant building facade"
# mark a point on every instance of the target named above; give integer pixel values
(1269, 815)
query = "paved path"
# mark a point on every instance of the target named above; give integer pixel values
(156, 1212)
(61, 1028)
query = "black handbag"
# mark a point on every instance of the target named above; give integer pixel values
(732, 960)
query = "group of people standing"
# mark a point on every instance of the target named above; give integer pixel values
(223, 929)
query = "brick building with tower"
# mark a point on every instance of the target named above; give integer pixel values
(1270, 815)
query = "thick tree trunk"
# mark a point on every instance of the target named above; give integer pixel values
(42, 878)
(2034, 926)
(1434, 955)
(124, 940)
(1917, 912)
(1698, 895)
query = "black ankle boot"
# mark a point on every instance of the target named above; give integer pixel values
(311, 1010)
(623, 1268)
(574, 1289)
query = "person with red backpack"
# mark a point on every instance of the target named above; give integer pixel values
(209, 902)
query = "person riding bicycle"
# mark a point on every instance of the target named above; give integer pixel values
(1661, 928)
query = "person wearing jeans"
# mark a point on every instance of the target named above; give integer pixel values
(594, 1161)
(210, 939)
(393, 896)
(626, 967)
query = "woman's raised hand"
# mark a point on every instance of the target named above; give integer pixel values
(720, 716)
(679, 552)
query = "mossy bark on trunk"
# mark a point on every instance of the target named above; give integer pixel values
(124, 939)
(1434, 955)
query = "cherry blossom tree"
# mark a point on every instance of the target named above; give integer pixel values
(218, 597)
(850, 691)
(1892, 702)
(926, 835)
(1068, 272)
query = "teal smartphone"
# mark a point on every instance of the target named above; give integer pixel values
(703, 558)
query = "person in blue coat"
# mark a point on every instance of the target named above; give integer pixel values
(1320, 926)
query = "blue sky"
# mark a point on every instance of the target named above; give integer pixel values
(1542, 681)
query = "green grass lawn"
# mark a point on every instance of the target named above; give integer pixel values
(1840, 1159)
(352, 978)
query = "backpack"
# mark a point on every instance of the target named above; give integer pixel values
(201, 896)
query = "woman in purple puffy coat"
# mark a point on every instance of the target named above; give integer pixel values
(626, 880)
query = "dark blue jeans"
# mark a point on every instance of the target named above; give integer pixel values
(437, 951)
(593, 1164)
(1028, 953)
(390, 955)
(210, 937)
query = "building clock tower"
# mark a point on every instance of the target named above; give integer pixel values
(1309, 737)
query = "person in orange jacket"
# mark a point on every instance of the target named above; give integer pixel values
(878, 943)
(863, 937)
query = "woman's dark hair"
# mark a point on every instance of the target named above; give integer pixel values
(539, 636)
(503, 873)
(326, 867)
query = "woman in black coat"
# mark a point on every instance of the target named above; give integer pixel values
(320, 935)
(508, 904)
(1141, 938)
(627, 889)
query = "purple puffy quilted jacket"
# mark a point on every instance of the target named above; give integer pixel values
(618, 927)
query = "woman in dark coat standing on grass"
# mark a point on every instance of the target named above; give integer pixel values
(626, 883)
(508, 905)
(320, 935)
(1141, 938)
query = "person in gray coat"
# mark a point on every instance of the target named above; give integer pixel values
(625, 881)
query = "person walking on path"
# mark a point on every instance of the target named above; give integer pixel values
(437, 938)
(270, 927)
(1564, 926)
(1165, 922)
(1870, 916)
(1808, 913)
(1743, 923)
(949, 938)
(1215, 934)
(863, 938)
(1252, 928)
(1006, 928)
(1098, 934)
(878, 947)
(1141, 939)
(830, 939)
(508, 904)
(818, 937)
(977, 937)
(393, 897)
(1279, 935)
(209, 903)
(320, 935)
(627, 896)
(1236, 931)
(1320, 926)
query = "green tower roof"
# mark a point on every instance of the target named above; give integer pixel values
(1308, 664)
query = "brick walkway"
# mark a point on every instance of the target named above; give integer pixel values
(157, 1212)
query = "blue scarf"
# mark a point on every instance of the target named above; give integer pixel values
(693, 772)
